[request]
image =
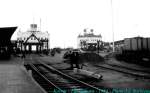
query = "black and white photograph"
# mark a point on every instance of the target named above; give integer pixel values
(74, 46)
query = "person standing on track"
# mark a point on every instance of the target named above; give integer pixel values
(74, 58)
(23, 55)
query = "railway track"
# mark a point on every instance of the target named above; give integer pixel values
(133, 69)
(126, 70)
(144, 74)
(55, 81)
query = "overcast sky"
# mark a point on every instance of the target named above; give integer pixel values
(65, 19)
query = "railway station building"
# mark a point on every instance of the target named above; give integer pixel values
(89, 41)
(33, 40)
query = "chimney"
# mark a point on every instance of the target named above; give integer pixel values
(33, 27)
(92, 31)
(85, 32)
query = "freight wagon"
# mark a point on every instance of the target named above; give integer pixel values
(137, 44)
(136, 49)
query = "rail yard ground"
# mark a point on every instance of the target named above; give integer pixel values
(117, 75)
(111, 78)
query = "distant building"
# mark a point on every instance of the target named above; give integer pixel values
(33, 40)
(118, 45)
(89, 41)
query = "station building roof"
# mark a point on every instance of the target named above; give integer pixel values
(89, 35)
(5, 34)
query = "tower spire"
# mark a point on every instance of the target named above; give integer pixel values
(40, 24)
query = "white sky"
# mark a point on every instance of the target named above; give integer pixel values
(65, 19)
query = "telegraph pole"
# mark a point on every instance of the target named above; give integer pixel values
(112, 25)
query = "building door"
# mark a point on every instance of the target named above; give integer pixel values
(33, 47)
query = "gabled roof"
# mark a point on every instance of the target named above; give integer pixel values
(32, 35)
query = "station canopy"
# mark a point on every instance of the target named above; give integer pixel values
(6, 34)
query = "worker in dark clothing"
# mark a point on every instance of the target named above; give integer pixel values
(74, 57)
(23, 54)
(53, 52)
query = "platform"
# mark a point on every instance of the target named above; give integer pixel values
(15, 79)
